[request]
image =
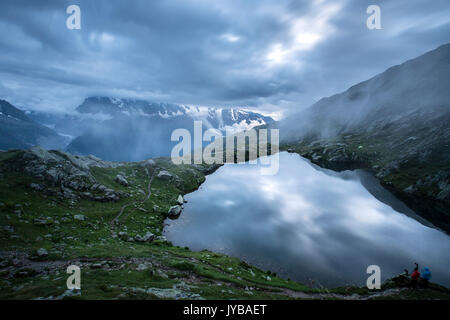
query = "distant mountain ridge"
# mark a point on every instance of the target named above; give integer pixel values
(18, 131)
(138, 129)
(124, 129)
(219, 118)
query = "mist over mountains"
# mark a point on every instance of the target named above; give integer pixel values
(17, 130)
(414, 93)
(125, 129)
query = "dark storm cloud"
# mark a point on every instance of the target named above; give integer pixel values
(271, 55)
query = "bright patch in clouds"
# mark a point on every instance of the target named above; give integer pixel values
(229, 37)
(305, 33)
(103, 39)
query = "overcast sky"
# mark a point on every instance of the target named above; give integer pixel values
(276, 56)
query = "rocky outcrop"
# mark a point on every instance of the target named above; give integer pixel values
(147, 163)
(120, 179)
(79, 217)
(165, 175)
(42, 252)
(174, 211)
(71, 173)
(148, 237)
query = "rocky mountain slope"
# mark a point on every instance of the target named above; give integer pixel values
(57, 209)
(17, 130)
(395, 125)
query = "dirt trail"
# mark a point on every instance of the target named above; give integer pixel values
(149, 193)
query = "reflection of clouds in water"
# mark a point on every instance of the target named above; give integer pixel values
(304, 223)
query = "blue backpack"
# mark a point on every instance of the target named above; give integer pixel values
(426, 273)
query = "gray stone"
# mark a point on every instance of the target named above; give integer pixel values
(161, 238)
(143, 266)
(43, 221)
(174, 211)
(37, 187)
(410, 189)
(123, 235)
(147, 163)
(148, 237)
(120, 179)
(79, 217)
(444, 194)
(164, 175)
(42, 252)
(180, 200)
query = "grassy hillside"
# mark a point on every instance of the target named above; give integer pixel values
(57, 210)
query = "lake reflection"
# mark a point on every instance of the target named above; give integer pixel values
(306, 223)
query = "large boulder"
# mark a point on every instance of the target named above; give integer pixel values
(42, 252)
(165, 175)
(120, 179)
(174, 211)
(147, 163)
(148, 237)
(79, 217)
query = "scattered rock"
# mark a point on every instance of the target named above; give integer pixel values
(164, 175)
(68, 194)
(43, 221)
(410, 189)
(79, 217)
(444, 194)
(143, 266)
(148, 237)
(120, 179)
(123, 235)
(37, 187)
(162, 274)
(161, 238)
(42, 252)
(9, 229)
(174, 211)
(147, 163)
(180, 200)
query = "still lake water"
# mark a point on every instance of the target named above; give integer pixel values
(309, 223)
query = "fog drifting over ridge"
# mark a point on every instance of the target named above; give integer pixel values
(412, 92)
(273, 56)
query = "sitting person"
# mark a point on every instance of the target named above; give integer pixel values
(415, 275)
(425, 276)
